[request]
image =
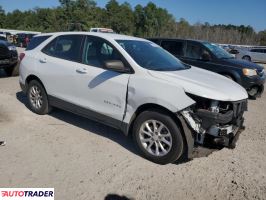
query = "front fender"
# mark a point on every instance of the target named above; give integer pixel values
(150, 90)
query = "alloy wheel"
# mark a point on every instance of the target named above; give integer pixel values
(36, 98)
(155, 137)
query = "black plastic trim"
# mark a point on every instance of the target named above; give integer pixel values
(87, 113)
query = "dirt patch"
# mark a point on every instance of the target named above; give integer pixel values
(3, 116)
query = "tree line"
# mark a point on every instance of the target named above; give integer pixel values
(143, 21)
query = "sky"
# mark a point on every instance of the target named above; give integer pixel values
(237, 12)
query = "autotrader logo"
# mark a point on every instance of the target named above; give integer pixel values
(26, 193)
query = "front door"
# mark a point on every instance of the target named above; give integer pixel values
(102, 91)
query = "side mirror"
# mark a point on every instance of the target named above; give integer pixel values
(115, 65)
(206, 56)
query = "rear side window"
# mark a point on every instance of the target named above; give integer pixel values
(174, 47)
(36, 41)
(65, 46)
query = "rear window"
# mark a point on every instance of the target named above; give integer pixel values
(65, 46)
(36, 41)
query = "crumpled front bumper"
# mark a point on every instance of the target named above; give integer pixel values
(215, 128)
(231, 139)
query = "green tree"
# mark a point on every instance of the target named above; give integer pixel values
(2, 17)
(262, 37)
(119, 17)
(139, 17)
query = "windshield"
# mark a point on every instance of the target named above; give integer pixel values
(217, 51)
(150, 56)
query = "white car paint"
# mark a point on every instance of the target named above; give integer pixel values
(204, 83)
(106, 92)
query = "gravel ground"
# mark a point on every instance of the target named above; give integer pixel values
(82, 159)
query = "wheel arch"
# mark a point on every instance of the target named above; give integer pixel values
(247, 56)
(185, 131)
(30, 78)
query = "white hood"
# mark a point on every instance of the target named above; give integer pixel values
(204, 83)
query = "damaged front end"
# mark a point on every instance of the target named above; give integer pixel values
(215, 122)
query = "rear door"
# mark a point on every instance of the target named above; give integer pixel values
(103, 92)
(56, 66)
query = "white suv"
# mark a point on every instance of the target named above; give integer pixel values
(134, 85)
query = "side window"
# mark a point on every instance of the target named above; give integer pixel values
(194, 51)
(96, 51)
(174, 47)
(36, 41)
(257, 50)
(65, 46)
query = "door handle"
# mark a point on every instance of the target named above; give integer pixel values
(81, 70)
(43, 60)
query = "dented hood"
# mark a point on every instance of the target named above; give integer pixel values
(203, 83)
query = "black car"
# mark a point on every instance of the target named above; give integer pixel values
(209, 56)
(8, 57)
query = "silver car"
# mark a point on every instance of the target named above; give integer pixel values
(253, 54)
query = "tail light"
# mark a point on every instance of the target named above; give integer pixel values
(21, 56)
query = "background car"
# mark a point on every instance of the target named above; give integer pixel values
(209, 56)
(23, 39)
(8, 57)
(102, 30)
(253, 54)
(2, 37)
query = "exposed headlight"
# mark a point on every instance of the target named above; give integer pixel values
(249, 72)
(12, 48)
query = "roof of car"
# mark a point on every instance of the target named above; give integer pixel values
(163, 38)
(113, 36)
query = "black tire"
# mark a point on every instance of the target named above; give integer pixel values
(177, 146)
(44, 108)
(248, 58)
(253, 92)
(9, 71)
